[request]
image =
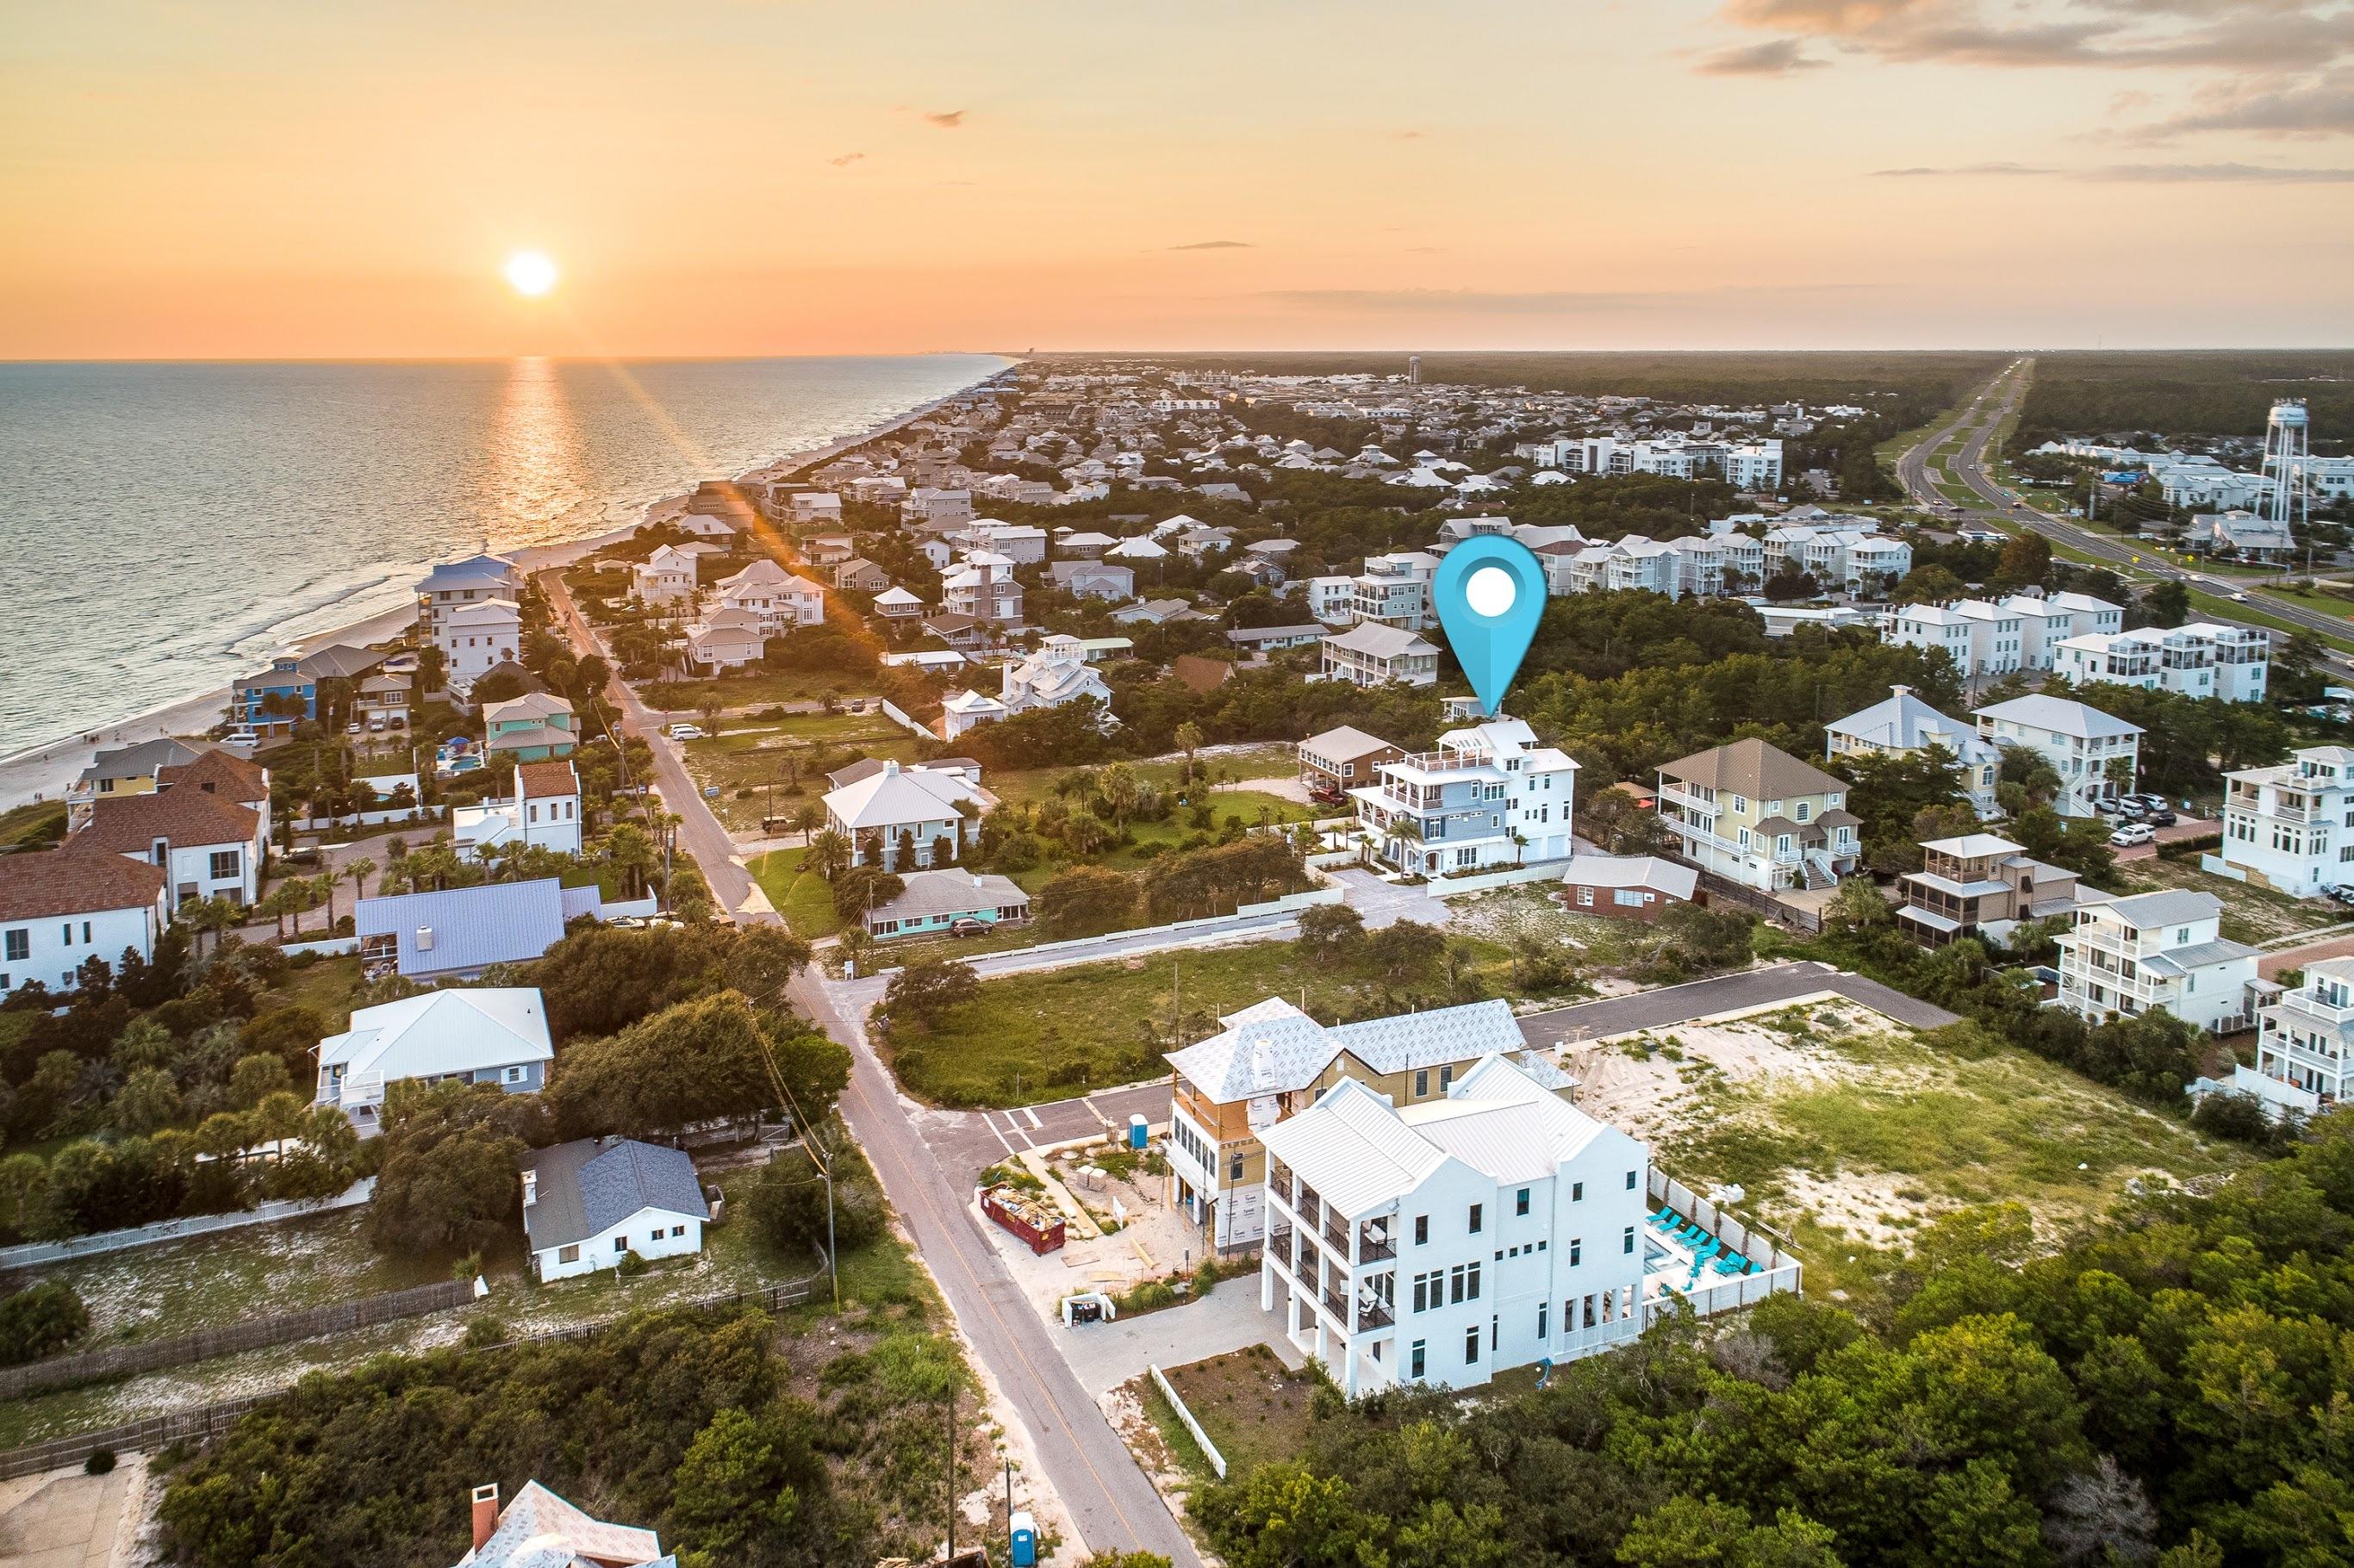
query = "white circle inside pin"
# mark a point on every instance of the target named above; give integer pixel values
(1491, 591)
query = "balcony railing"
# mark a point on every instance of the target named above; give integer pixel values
(1337, 1304)
(1278, 1242)
(1374, 1243)
(1373, 1315)
(1335, 1234)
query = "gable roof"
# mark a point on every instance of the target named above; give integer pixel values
(952, 891)
(1754, 769)
(1631, 871)
(338, 661)
(2061, 715)
(539, 780)
(1379, 641)
(529, 705)
(1903, 721)
(587, 1187)
(130, 824)
(144, 760)
(899, 795)
(1345, 744)
(472, 928)
(221, 773)
(86, 881)
(1271, 1047)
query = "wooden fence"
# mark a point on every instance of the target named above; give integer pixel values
(211, 1420)
(339, 1318)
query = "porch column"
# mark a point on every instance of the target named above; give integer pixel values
(1266, 1286)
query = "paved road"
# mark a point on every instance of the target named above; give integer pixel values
(1968, 469)
(1111, 1504)
(1726, 993)
(966, 1142)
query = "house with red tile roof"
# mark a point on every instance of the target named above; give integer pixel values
(62, 907)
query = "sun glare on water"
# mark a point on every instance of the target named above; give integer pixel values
(530, 272)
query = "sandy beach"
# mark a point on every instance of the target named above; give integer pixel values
(42, 772)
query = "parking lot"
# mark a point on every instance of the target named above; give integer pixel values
(967, 1142)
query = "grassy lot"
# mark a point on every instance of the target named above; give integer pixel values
(1033, 786)
(1034, 1037)
(803, 898)
(1251, 1405)
(331, 985)
(1849, 1132)
(782, 753)
(681, 698)
(152, 1292)
(1508, 914)
(2252, 914)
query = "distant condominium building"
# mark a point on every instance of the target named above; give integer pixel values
(2157, 952)
(1746, 465)
(1839, 559)
(1756, 814)
(2291, 827)
(2199, 659)
(1490, 795)
(1987, 638)
(1440, 1242)
(1270, 1061)
(2096, 755)
(1904, 726)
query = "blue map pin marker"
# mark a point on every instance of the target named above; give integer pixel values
(1490, 594)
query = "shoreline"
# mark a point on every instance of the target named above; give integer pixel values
(41, 772)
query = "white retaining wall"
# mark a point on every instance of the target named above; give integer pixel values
(1777, 1270)
(898, 716)
(1449, 887)
(31, 1253)
(403, 816)
(1209, 1449)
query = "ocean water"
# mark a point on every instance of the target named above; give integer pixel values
(164, 528)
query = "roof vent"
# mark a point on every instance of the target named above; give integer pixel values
(425, 939)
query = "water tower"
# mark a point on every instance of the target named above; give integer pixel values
(2286, 451)
(1414, 370)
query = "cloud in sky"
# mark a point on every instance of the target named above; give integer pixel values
(1776, 57)
(2323, 106)
(1215, 245)
(845, 160)
(2237, 36)
(947, 119)
(2138, 173)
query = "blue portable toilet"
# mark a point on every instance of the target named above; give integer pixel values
(1024, 1534)
(1136, 1133)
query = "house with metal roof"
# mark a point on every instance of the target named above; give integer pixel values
(487, 1035)
(2161, 952)
(934, 903)
(2096, 755)
(590, 1203)
(909, 809)
(1438, 1242)
(456, 933)
(1904, 726)
(1271, 1060)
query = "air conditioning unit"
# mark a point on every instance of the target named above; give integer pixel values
(425, 939)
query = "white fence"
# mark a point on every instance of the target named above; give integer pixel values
(31, 1253)
(1168, 1392)
(1449, 887)
(2213, 865)
(326, 947)
(1046, 955)
(399, 816)
(898, 716)
(1777, 1270)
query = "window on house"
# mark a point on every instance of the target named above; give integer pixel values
(1577, 1192)
(1445, 1077)
(227, 865)
(1543, 1308)
(1631, 1181)
(678, 1229)
(1477, 1210)
(1422, 1230)
(1235, 1166)
(512, 1075)
(1521, 1201)
(1415, 1360)
(20, 945)
(1471, 1346)
(620, 1244)
(1421, 1082)
(1628, 1245)
(1576, 1251)
(1471, 1284)
(568, 1254)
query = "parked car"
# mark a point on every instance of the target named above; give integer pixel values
(966, 926)
(686, 732)
(2161, 818)
(2154, 801)
(2340, 894)
(2106, 806)
(2132, 833)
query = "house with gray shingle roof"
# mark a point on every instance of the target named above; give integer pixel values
(590, 1203)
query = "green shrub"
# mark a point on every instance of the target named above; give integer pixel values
(40, 1320)
(100, 1462)
(633, 1263)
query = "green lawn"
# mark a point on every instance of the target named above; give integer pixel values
(1034, 1037)
(2251, 914)
(331, 985)
(802, 897)
(2234, 609)
(786, 754)
(680, 698)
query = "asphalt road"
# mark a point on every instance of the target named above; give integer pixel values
(1725, 993)
(1968, 469)
(1113, 1507)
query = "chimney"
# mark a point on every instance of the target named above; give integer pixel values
(1899, 691)
(530, 1188)
(486, 1513)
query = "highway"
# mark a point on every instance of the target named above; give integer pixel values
(1968, 469)
(1113, 1506)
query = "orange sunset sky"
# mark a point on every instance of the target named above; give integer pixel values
(238, 180)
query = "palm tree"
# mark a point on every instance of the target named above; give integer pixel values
(1520, 843)
(828, 854)
(1189, 741)
(1119, 786)
(359, 871)
(856, 944)
(808, 817)
(211, 915)
(631, 852)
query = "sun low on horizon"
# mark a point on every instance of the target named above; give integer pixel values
(530, 273)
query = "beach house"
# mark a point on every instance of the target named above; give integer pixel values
(456, 584)
(469, 1036)
(590, 1203)
(2290, 827)
(774, 597)
(540, 1530)
(533, 728)
(1756, 814)
(60, 908)
(544, 813)
(665, 578)
(903, 816)
(475, 638)
(206, 844)
(935, 902)
(1441, 1242)
(125, 770)
(1489, 795)
(458, 933)
(2095, 756)
(1904, 726)
(269, 703)
(1370, 654)
(2158, 952)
